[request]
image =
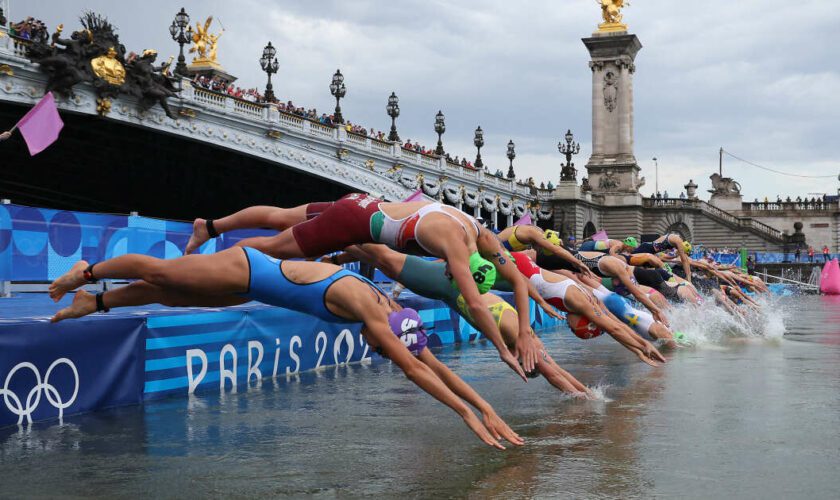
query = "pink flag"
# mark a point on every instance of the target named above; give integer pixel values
(600, 236)
(41, 125)
(525, 220)
(417, 196)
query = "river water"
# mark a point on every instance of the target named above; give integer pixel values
(751, 410)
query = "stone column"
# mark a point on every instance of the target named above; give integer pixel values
(612, 168)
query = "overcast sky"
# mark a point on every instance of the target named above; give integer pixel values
(760, 78)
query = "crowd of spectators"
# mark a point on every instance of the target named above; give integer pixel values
(29, 29)
(218, 84)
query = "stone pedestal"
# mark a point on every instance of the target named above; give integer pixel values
(730, 202)
(209, 69)
(612, 167)
(567, 190)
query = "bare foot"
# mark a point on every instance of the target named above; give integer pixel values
(83, 304)
(199, 236)
(72, 279)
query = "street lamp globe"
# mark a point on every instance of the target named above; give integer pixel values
(182, 19)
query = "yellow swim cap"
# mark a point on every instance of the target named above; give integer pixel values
(552, 236)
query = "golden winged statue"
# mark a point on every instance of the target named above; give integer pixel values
(611, 13)
(204, 43)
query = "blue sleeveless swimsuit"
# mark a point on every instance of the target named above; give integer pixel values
(268, 284)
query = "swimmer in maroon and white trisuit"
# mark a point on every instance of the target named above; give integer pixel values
(567, 295)
(423, 228)
(237, 275)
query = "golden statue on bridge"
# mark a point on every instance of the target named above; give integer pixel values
(205, 44)
(611, 12)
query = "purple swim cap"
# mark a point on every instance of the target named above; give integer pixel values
(408, 327)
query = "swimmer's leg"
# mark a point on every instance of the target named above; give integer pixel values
(222, 273)
(142, 293)
(281, 246)
(251, 217)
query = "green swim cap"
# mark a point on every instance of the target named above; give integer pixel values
(631, 242)
(483, 272)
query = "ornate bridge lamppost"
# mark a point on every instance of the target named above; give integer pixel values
(478, 140)
(440, 128)
(568, 172)
(338, 90)
(270, 65)
(181, 33)
(511, 154)
(393, 109)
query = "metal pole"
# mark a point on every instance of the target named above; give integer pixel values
(720, 162)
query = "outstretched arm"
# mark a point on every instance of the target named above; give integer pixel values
(379, 333)
(460, 270)
(543, 244)
(623, 276)
(497, 427)
(526, 348)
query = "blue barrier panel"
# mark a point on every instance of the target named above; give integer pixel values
(50, 371)
(233, 348)
(133, 354)
(41, 244)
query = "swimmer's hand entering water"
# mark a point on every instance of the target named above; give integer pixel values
(499, 429)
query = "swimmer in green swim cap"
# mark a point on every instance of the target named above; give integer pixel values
(483, 272)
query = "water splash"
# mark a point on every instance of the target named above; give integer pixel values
(709, 326)
(599, 393)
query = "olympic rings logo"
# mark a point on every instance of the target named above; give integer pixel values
(14, 403)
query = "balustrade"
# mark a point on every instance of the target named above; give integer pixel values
(786, 206)
(321, 130)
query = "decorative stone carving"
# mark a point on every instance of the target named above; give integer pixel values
(691, 189)
(610, 91)
(724, 185)
(453, 194)
(609, 181)
(488, 202)
(471, 199)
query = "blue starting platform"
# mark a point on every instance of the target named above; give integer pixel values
(131, 355)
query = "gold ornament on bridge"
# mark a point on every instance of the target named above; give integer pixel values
(108, 68)
(205, 45)
(611, 13)
(103, 106)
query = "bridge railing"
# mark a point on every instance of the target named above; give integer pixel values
(257, 111)
(684, 203)
(787, 206)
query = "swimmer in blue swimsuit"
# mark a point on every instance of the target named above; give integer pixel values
(237, 275)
